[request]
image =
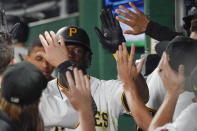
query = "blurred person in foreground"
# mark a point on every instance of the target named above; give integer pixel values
(20, 97)
(6, 54)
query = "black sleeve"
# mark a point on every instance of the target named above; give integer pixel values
(159, 32)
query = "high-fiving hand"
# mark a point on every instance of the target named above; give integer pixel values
(127, 69)
(112, 35)
(79, 93)
(55, 53)
(174, 82)
(136, 20)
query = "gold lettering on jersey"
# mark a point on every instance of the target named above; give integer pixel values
(101, 119)
(72, 31)
(59, 128)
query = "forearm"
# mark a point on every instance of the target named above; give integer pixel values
(165, 112)
(160, 32)
(87, 120)
(138, 108)
(142, 88)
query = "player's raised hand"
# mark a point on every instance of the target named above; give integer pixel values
(137, 20)
(112, 35)
(173, 81)
(79, 93)
(55, 53)
(127, 69)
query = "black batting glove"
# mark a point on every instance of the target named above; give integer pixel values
(112, 35)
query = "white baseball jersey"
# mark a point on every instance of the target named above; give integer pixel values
(108, 96)
(19, 53)
(157, 92)
(186, 121)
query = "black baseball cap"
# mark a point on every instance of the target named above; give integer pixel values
(191, 15)
(22, 83)
(74, 35)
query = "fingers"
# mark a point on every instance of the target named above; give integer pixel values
(164, 66)
(123, 20)
(48, 38)
(100, 35)
(123, 14)
(82, 79)
(62, 41)
(66, 92)
(181, 70)
(127, 10)
(119, 56)
(125, 53)
(54, 38)
(117, 24)
(103, 20)
(87, 82)
(161, 62)
(43, 41)
(77, 77)
(132, 55)
(140, 65)
(70, 80)
(110, 16)
(134, 7)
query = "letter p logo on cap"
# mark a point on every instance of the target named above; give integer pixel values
(72, 31)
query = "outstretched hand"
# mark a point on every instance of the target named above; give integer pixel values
(127, 69)
(112, 35)
(55, 53)
(137, 20)
(79, 93)
(173, 81)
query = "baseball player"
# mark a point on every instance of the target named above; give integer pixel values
(33, 57)
(107, 95)
(188, 117)
(181, 50)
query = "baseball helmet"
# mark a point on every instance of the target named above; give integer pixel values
(74, 35)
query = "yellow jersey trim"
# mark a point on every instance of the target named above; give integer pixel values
(150, 109)
(123, 103)
(76, 125)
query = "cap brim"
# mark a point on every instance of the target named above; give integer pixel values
(77, 42)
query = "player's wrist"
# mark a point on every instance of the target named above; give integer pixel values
(86, 108)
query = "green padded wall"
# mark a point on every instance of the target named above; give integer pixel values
(52, 25)
(103, 64)
(161, 11)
